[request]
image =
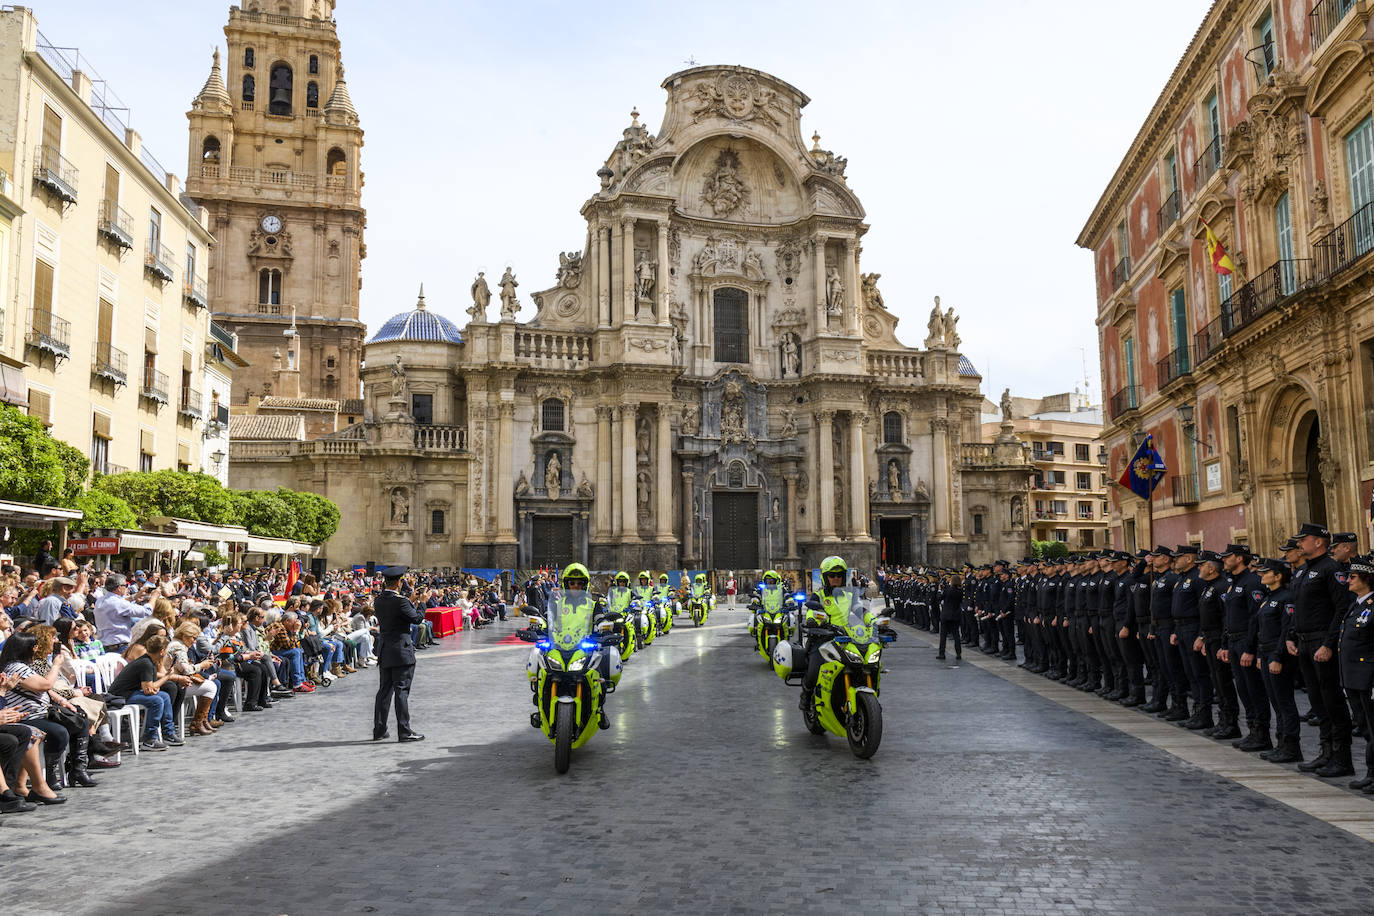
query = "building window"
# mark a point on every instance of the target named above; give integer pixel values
(269, 287)
(280, 88)
(422, 408)
(1056, 478)
(1283, 231)
(40, 406)
(551, 415)
(977, 523)
(892, 428)
(248, 58)
(1085, 480)
(1061, 535)
(1263, 55)
(1085, 537)
(1054, 448)
(145, 461)
(1085, 509)
(1059, 506)
(250, 87)
(100, 452)
(336, 163)
(731, 315)
(1359, 160)
(1102, 481)
(154, 230)
(436, 521)
(209, 150)
(312, 95)
(1080, 452)
(314, 64)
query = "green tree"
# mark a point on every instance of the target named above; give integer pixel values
(1043, 550)
(316, 518)
(264, 513)
(175, 494)
(35, 467)
(104, 510)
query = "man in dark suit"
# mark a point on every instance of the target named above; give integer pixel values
(951, 599)
(395, 656)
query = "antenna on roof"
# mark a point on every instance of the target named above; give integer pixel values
(1087, 385)
(690, 61)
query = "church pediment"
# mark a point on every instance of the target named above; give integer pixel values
(728, 178)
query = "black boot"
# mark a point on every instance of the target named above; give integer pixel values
(78, 758)
(1288, 751)
(53, 774)
(1257, 740)
(1339, 764)
(1137, 698)
(1226, 729)
(1178, 712)
(1201, 719)
(1319, 761)
(1368, 779)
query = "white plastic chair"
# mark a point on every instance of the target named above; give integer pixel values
(107, 668)
(188, 703)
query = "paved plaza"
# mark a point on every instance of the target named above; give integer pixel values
(707, 795)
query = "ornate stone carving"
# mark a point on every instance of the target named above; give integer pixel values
(803, 484)
(939, 424)
(733, 427)
(569, 269)
(834, 291)
(723, 190)
(522, 486)
(1321, 212)
(872, 298)
(691, 420)
(728, 255)
(509, 305)
(553, 470)
(788, 259)
(1277, 367)
(584, 488)
(826, 161)
(647, 344)
(674, 245)
(790, 347)
(400, 506)
(644, 494)
(789, 424)
(894, 480)
(398, 379)
(736, 97)
(646, 273)
(843, 356)
(1326, 461)
(481, 298)
(642, 435)
(789, 317)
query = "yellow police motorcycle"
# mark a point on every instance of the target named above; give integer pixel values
(845, 701)
(771, 622)
(624, 622)
(570, 672)
(699, 605)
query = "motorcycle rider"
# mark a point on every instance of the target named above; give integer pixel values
(664, 593)
(622, 580)
(576, 579)
(834, 574)
(771, 579)
(645, 589)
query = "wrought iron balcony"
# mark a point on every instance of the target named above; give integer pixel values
(157, 261)
(1276, 284)
(56, 174)
(155, 386)
(1184, 488)
(1263, 58)
(1121, 272)
(1207, 164)
(1126, 399)
(1174, 366)
(1325, 16)
(190, 403)
(1343, 246)
(109, 362)
(1169, 213)
(1206, 341)
(222, 336)
(49, 333)
(195, 294)
(218, 419)
(115, 224)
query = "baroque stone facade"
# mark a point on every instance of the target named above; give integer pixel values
(712, 380)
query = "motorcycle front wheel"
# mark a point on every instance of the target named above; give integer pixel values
(812, 719)
(865, 727)
(562, 736)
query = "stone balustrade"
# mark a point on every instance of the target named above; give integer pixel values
(553, 349)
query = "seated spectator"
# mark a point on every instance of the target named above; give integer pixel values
(115, 614)
(140, 683)
(21, 763)
(232, 651)
(202, 685)
(32, 695)
(260, 651)
(57, 602)
(81, 712)
(286, 648)
(85, 645)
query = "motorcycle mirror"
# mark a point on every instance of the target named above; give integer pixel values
(883, 621)
(605, 626)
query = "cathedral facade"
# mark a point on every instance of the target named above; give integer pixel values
(711, 381)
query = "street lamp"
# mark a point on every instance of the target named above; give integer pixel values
(1186, 413)
(1102, 455)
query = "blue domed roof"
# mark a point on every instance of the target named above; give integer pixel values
(419, 324)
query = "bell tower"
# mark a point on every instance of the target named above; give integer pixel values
(273, 156)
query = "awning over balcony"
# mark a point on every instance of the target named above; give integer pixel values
(278, 546)
(200, 531)
(151, 540)
(29, 515)
(14, 390)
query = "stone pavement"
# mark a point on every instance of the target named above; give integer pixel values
(707, 795)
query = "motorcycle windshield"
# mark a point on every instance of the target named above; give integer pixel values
(772, 598)
(570, 617)
(618, 599)
(859, 624)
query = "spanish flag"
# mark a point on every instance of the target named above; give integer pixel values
(1216, 252)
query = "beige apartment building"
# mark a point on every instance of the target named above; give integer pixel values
(1258, 386)
(1069, 489)
(105, 309)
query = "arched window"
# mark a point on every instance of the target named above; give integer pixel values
(209, 150)
(312, 95)
(336, 163)
(314, 64)
(551, 415)
(269, 286)
(731, 315)
(249, 87)
(280, 88)
(248, 58)
(892, 428)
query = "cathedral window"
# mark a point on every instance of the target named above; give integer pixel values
(249, 88)
(422, 409)
(336, 163)
(312, 95)
(280, 87)
(551, 415)
(248, 59)
(892, 428)
(436, 521)
(269, 287)
(314, 64)
(209, 150)
(731, 315)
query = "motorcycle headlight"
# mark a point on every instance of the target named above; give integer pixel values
(577, 664)
(554, 660)
(851, 654)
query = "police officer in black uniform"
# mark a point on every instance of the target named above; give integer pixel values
(1355, 655)
(1320, 599)
(1211, 608)
(395, 657)
(1244, 593)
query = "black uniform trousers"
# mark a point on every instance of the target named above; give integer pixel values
(1250, 689)
(394, 684)
(1222, 682)
(1323, 680)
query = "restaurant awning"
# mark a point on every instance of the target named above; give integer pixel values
(150, 540)
(200, 531)
(264, 545)
(28, 515)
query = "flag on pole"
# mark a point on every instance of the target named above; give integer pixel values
(293, 572)
(1216, 252)
(1145, 470)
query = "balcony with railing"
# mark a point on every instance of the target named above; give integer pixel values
(115, 224)
(1046, 515)
(49, 334)
(1121, 272)
(1207, 164)
(1325, 16)
(224, 338)
(896, 365)
(195, 294)
(1271, 287)
(553, 349)
(158, 260)
(441, 438)
(1126, 399)
(190, 404)
(109, 362)
(56, 174)
(1206, 341)
(1169, 213)
(1184, 489)
(109, 469)
(1340, 248)
(288, 179)
(218, 419)
(1174, 366)
(267, 308)
(1051, 485)
(155, 386)
(977, 454)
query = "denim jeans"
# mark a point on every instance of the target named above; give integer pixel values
(333, 652)
(159, 713)
(293, 663)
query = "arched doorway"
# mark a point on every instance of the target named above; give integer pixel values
(1310, 494)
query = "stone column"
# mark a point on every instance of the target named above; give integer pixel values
(825, 475)
(601, 251)
(858, 478)
(939, 428)
(663, 480)
(688, 519)
(791, 480)
(603, 471)
(629, 521)
(664, 290)
(613, 492)
(614, 260)
(818, 270)
(627, 270)
(851, 285)
(505, 499)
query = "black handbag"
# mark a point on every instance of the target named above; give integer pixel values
(72, 720)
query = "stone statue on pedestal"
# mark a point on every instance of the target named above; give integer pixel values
(398, 379)
(553, 475)
(481, 298)
(509, 306)
(834, 291)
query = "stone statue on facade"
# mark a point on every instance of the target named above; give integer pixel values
(732, 421)
(522, 486)
(935, 328)
(553, 472)
(642, 440)
(952, 329)
(584, 488)
(509, 305)
(894, 480)
(642, 493)
(834, 291)
(398, 379)
(1006, 405)
(645, 274)
(723, 190)
(481, 298)
(691, 420)
(872, 298)
(400, 506)
(791, 354)
(1018, 512)
(789, 424)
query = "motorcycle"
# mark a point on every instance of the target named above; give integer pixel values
(699, 606)
(623, 621)
(643, 611)
(570, 671)
(845, 700)
(771, 622)
(662, 613)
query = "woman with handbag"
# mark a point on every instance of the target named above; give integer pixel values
(232, 653)
(200, 687)
(31, 694)
(78, 715)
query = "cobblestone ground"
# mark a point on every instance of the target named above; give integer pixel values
(707, 795)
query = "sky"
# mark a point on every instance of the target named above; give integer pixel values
(979, 134)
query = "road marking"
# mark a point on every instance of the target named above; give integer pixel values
(1336, 806)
